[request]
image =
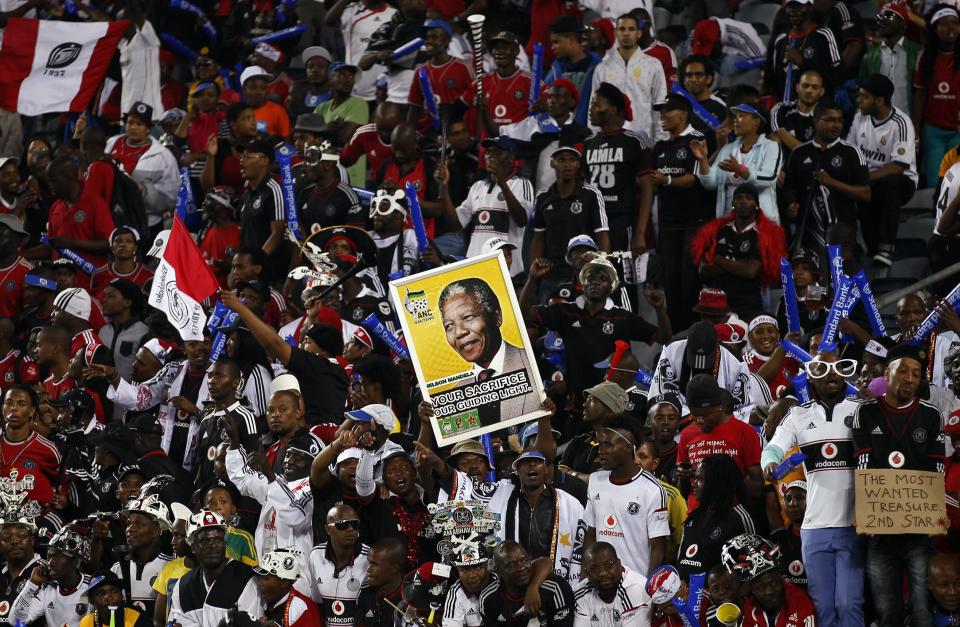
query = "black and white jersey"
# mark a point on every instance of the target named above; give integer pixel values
(614, 160)
(10, 588)
(680, 208)
(197, 604)
(461, 609)
(630, 606)
(787, 115)
(52, 603)
(886, 141)
(141, 577)
(556, 605)
(908, 437)
(336, 591)
(842, 161)
(819, 50)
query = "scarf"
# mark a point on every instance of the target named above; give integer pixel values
(770, 240)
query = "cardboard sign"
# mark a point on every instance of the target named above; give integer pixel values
(893, 501)
(469, 347)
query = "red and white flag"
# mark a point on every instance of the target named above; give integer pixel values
(181, 283)
(51, 67)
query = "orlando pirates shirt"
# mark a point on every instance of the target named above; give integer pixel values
(461, 609)
(498, 607)
(630, 606)
(614, 160)
(890, 140)
(484, 215)
(842, 161)
(791, 554)
(788, 115)
(54, 604)
(680, 208)
(336, 591)
(826, 438)
(898, 437)
(10, 588)
(701, 544)
(141, 577)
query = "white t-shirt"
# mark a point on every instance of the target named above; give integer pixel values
(461, 609)
(885, 141)
(140, 70)
(828, 445)
(627, 516)
(948, 193)
(336, 592)
(485, 211)
(51, 604)
(630, 606)
(357, 24)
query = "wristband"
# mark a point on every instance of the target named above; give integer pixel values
(740, 171)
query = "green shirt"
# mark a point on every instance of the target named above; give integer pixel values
(354, 110)
(240, 546)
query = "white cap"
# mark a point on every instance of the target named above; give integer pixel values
(283, 563)
(268, 51)
(157, 349)
(204, 519)
(496, 243)
(159, 244)
(113, 233)
(283, 383)
(380, 414)
(316, 51)
(353, 452)
(252, 72)
(74, 301)
(153, 507)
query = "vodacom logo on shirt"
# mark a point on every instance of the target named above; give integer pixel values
(611, 524)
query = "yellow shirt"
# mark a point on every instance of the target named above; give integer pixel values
(130, 617)
(676, 516)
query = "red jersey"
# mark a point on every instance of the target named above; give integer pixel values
(941, 110)
(216, 240)
(11, 287)
(103, 275)
(280, 87)
(734, 438)
(36, 456)
(448, 82)
(173, 93)
(100, 180)
(55, 388)
(202, 127)
(797, 611)
(664, 54)
(128, 156)
(17, 367)
(366, 141)
(507, 98)
(89, 220)
(417, 176)
(296, 610)
(781, 381)
(276, 306)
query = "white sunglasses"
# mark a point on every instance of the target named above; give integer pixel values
(843, 367)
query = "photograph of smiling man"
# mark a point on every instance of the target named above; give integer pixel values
(463, 328)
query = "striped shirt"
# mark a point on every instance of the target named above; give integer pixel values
(886, 141)
(630, 605)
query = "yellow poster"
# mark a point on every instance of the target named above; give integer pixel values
(463, 327)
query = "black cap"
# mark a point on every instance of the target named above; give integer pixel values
(674, 102)
(503, 143)
(879, 86)
(748, 188)
(263, 146)
(506, 36)
(807, 256)
(703, 391)
(79, 400)
(567, 25)
(146, 424)
(327, 338)
(116, 439)
(670, 398)
(701, 346)
(304, 442)
(64, 264)
(143, 111)
(911, 351)
(103, 578)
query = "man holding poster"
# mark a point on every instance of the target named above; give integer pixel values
(472, 356)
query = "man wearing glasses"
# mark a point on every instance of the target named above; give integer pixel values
(832, 553)
(338, 566)
(900, 431)
(611, 592)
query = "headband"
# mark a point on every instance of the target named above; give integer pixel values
(944, 12)
(762, 319)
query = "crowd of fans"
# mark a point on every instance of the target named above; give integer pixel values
(283, 470)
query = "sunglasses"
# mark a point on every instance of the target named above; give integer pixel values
(343, 525)
(842, 367)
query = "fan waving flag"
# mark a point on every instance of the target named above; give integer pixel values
(181, 283)
(51, 67)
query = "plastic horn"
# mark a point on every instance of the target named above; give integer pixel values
(184, 194)
(708, 118)
(789, 296)
(799, 383)
(870, 304)
(750, 64)
(644, 378)
(475, 22)
(828, 342)
(783, 468)
(428, 99)
(178, 46)
(728, 614)
(280, 35)
(364, 195)
(928, 324)
(416, 215)
(836, 265)
(372, 323)
(284, 153)
(788, 87)
(620, 347)
(406, 49)
(536, 64)
(83, 264)
(487, 443)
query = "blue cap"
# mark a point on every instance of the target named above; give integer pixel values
(42, 282)
(530, 431)
(343, 66)
(442, 25)
(580, 240)
(746, 108)
(504, 143)
(553, 342)
(204, 85)
(529, 455)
